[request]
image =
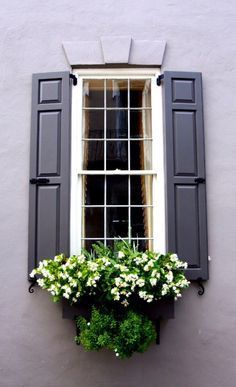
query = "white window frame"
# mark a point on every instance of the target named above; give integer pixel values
(159, 215)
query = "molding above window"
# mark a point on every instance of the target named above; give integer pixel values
(110, 50)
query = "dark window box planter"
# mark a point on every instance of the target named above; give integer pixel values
(161, 309)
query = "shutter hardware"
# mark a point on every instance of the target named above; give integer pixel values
(39, 181)
(72, 76)
(159, 79)
(199, 180)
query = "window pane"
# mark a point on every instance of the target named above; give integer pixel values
(93, 93)
(143, 244)
(140, 123)
(141, 154)
(117, 155)
(141, 222)
(141, 189)
(88, 244)
(117, 124)
(93, 223)
(140, 93)
(117, 190)
(111, 242)
(93, 190)
(117, 93)
(93, 124)
(117, 222)
(93, 157)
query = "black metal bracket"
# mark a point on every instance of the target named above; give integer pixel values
(72, 76)
(201, 291)
(199, 180)
(32, 285)
(39, 181)
(159, 79)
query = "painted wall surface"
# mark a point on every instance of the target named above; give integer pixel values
(198, 347)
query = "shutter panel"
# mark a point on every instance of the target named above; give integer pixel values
(49, 202)
(186, 196)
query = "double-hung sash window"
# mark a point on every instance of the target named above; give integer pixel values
(117, 168)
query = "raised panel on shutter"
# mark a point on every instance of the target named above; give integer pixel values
(186, 196)
(49, 206)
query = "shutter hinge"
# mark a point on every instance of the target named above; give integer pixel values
(72, 76)
(159, 79)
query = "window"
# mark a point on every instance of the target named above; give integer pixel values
(111, 174)
(117, 160)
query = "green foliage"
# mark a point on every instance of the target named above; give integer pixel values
(113, 275)
(118, 279)
(123, 332)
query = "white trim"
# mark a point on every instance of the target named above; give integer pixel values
(159, 227)
(76, 162)
(159, 216)
(117, 72)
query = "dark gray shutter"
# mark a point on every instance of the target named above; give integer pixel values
(49, 195)
(185, 168)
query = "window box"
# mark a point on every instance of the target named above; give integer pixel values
(161, 309)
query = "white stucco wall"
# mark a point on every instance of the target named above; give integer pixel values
(198, 347)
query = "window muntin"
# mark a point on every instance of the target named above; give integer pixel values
(82, 140)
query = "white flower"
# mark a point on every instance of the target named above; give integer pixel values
(32, 274)
(185, 265)
(88, 323)
(155, 274)
(45, 273)
(174, 257)
(144, 257)
(120, 254)
(164, 290)
(169, 276)
(66, 295)
(138, 260)
(142, 294)
(117, 354)
(40, 281)
(153, 281)
(58, 258)
(92, 265)
(149, 265)
(80, 258)
(114, 290)
(125, 303)
(140, 282)
(118, 281)
(149, 298)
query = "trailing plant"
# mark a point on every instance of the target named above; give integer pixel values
(123, 332)
(115, 281)
(120, 274)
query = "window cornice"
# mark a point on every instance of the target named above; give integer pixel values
(113, 50)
